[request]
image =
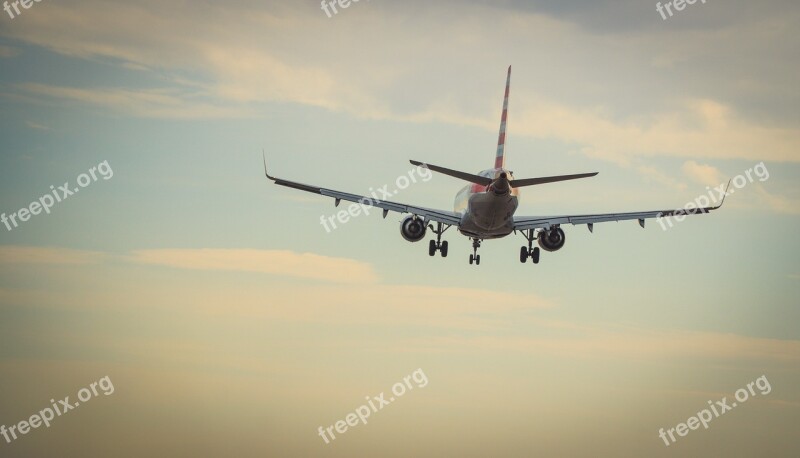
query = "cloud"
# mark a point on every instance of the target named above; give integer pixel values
(47, 255)
(598, 341)
(36, 126)
(703, 174)
(154, 103)
(778, 203)
(656, 175)
(348, 293)
(694, 128)
(276, 262)
(598, 95)
(8, 51)
(372, 305)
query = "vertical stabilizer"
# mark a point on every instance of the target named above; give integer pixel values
(499, 160)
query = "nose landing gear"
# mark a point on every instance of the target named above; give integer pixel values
(475, 257)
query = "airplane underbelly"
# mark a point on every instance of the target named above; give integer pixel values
(489, 216)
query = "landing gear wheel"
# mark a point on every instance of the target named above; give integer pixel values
(438, 244)
(476, 243)
(530, 251)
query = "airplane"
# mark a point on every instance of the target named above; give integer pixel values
(484, 209)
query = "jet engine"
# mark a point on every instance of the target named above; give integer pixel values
(552, 240)
(413, 228)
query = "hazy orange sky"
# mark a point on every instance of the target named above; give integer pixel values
(231, 322)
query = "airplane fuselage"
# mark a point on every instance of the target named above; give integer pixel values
(486, 212)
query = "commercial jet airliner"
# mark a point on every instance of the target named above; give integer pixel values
(485, 208)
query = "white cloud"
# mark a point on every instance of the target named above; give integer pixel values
(778, 203)
(371, 64)
(275, 262)
(695, 128)
(607, 342)
(11, 254)
(158, 103)
(703, 174)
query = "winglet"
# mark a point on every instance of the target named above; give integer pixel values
(724, 195)
(264, 155)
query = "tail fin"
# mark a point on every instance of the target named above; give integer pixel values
(499, 160)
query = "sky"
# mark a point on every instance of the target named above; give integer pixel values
(229, 321)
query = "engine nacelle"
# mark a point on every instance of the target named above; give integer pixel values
(413, 228)
(553, 239)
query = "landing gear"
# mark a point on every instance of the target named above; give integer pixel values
(475, 257)
(530, 250)
(438, 245)
(433, 247)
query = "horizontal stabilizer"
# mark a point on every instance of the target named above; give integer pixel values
(553, 179)
(455, 173)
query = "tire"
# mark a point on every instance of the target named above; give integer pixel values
(535, 255)
(523, 255)
(478, 260)
(471, 259)
(432, 248)
(443, 249)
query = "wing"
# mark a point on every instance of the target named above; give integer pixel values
(441, 216)
(544, 222)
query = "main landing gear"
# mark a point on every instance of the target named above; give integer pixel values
(475, 257)
(530, 251)
(438, 245)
